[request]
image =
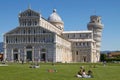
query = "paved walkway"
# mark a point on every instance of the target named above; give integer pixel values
(3, 65)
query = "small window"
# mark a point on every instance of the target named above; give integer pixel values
(83, 43)
(28, 39)
(68, 35)
(44, 31)
(7, 40)
(87, 43)
(80, 36)
(34, 39)
(76, 43)
(16, 39)
(29, 31)
(34, 30)
(24, 31)
(76, 52)
(35, 22)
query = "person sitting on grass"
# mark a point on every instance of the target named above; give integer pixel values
(79, 74)
(84, 75)
(90, 74)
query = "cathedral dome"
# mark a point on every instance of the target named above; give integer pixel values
(54, 17)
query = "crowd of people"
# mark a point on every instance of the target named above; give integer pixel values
(82, 73)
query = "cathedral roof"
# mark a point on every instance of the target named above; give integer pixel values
(29, 12)
(54, 17)
(86, 31)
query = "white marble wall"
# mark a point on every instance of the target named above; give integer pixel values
(63, 50)
(36, 51)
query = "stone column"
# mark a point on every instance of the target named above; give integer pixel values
(75, 56)
(33, 57)
(5, 50)
(24, 55)
(39, 56)
(5, 54)
(12, 59)
(19, 55)
(54, 53)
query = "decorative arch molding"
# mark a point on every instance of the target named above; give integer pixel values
(28, 47)
(15, 50)
(43, 50)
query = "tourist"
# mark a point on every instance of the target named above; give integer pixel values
(82, 67)
(22, 61)
(104, 63)
(79, 74)
(90, 75)
(84, 75)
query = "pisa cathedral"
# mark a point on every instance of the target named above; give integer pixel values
(40, 39)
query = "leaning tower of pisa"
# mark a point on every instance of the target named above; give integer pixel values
(96, 26)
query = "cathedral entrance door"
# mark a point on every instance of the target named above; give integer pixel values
(84, 58)
(15, 56)
(29, 55)
(43, 58)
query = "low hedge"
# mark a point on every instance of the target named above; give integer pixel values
(112, 59)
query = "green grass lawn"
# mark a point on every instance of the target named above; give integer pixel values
(64, 72)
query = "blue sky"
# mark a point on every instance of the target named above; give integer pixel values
(75, 14)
